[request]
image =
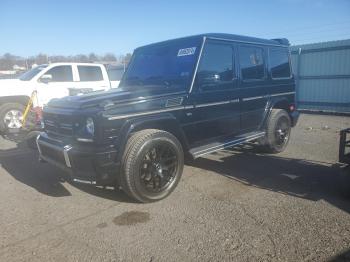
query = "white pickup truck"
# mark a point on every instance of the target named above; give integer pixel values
(54, 80)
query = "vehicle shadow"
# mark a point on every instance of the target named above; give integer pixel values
(342, 257)
(295, 177)
(22, 164)
(298, 178)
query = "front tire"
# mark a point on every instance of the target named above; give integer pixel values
(277, 132)
(152, 165)
(11, 117)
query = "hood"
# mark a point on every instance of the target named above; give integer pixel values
(113, 96)
(5, 82)
(14, 87)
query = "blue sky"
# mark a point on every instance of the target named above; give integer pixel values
(75, 27)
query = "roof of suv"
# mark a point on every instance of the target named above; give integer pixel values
(236, 38)
(74, 63)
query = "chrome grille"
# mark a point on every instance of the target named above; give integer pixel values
(58, 124)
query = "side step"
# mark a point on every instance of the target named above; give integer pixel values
(218, 145)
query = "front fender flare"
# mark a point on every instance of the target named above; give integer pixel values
(166, 122)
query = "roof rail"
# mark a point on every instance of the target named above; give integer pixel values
(282, 41)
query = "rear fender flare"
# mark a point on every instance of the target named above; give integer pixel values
(23, 100)
(271, 104)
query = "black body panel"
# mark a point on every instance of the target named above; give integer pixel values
(212, 103)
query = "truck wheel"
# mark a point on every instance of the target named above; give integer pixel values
(152, 165)
(11, 117)
(277, 132)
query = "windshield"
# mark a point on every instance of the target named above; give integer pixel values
(31, 73)
(167, 65)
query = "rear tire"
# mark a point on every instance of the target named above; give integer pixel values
(11, 117)
(152, 165)
(277, 132)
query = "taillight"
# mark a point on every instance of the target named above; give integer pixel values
(291, 107)
(38, 111)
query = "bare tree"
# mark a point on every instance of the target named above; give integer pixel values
(93, 57)
(81, 58)
(109, 57)
(41, 59)
(7, 60)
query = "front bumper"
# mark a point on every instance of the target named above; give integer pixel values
(294, 116)
(88, 164)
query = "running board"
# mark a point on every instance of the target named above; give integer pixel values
(218, 145)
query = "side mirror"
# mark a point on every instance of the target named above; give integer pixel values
(46, 78)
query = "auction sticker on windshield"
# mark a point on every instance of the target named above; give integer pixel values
(186, 51)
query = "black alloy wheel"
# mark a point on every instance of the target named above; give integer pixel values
(158, 167)
(278, 132)
(152, 165)
(282, 131)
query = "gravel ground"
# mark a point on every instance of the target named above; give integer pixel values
(235, 205)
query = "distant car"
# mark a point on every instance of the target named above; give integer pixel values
(54, 80)
(184, 97)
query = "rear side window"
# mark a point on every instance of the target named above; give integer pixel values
(90, 73)
(279, 63)
(216, 67)
(115, 74)
(251, 61)
(61, 74)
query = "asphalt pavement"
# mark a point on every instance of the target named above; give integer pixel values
(233, 205)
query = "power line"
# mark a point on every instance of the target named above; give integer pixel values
(320, 38)
(325, 34)
(319, 31)
(311, 27)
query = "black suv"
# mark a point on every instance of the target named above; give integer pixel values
(178, 99)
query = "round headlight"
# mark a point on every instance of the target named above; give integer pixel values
(90, 126)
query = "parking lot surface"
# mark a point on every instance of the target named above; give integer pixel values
(234, 205)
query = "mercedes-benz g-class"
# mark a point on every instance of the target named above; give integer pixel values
(180, 98)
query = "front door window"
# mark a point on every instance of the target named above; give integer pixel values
(216, 67)
(61, 74)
